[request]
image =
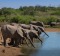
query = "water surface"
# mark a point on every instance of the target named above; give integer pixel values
(51, 45)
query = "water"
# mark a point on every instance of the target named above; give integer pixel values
(51, 45)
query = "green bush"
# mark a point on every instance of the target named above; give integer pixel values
(14, 19)
(51, 19)
(25, 19)
(56, 13)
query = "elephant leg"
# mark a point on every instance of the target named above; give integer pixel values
(12, 42)
(30, 40)
(4, 42)
(22, 39)
(4, 39)
(16, 42)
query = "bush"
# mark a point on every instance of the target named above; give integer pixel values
(51, 19)
(14, 19)
(56, 13)
(25, 19)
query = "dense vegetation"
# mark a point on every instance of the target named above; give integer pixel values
(27, 13)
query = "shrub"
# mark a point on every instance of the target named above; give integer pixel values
(14, 19)
(51, 19)
(56, 13)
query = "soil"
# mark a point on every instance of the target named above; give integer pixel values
(15, 51)
(52, 29)
(9, 50)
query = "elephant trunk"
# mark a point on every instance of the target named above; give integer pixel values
(40, 39)
(30, 40)
(43, 31)
(46, 33)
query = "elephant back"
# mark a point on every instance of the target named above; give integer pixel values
(37, 23)
(25, 26)
(11, 29)
(19, 31)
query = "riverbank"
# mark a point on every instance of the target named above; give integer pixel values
(52, 29)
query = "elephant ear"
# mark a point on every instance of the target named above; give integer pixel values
(19, 31)
(11, 29)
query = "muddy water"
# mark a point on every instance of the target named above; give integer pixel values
(51, 45)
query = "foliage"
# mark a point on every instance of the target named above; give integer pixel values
(26, 14)
(56, 13)
(14, 19)
(51, 19)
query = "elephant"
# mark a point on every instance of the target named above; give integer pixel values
(9, 31)
(40, 28)
(37, 23)
(52, 24)
(31, 34)
(13, 32)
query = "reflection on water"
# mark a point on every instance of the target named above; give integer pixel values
(51, 45)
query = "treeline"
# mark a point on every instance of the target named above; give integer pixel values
(28, 13)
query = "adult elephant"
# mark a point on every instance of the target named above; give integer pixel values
(31, 34)
(37, 23)
(13, 32)
(52, 24)
(40, 28)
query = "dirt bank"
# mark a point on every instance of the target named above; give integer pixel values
(52, 29)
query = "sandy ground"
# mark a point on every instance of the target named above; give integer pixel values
(9, 50)
(52, 29)
(14, 51)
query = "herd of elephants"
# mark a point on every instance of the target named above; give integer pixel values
(19, 33)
